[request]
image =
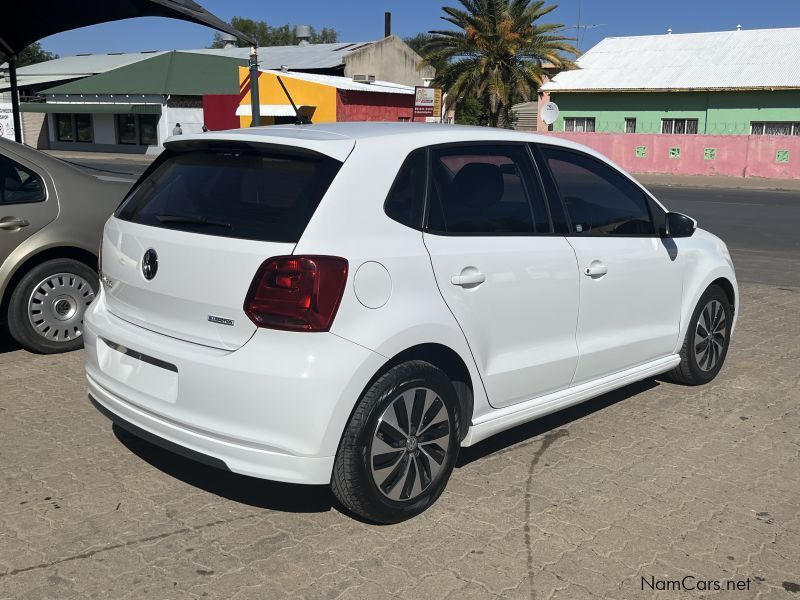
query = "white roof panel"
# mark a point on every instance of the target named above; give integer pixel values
(347, 83)
(754, 59)
(312, 56)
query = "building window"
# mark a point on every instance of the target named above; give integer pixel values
(679, 126)
(579, 124)
(83, 128)
(126, 129)
(630, 125)
(775, 128)
(64, 128)
(148, 130)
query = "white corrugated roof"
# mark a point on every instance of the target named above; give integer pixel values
(758, 58)
(347, 83)
(312, 56)
(73, 67)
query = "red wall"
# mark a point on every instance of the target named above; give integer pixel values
(372, 106)
(219, 111)
(736, 155)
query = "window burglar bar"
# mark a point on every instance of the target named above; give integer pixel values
(630, 125)
(679, 126)
(579, 124)
(775, 128)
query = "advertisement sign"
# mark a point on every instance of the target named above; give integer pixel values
(427, 101)
(6, 121)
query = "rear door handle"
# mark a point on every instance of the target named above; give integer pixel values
(12, 223)
(596, 269)
(469, 278)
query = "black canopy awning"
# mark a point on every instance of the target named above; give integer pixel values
(27, 22)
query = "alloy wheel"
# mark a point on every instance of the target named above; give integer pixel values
(709, 335)
(410, 444)
(57, 305)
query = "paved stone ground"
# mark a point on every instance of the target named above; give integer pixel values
(656, 480)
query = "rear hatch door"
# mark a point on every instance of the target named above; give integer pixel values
(181, 251)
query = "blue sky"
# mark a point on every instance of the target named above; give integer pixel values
(360, 20)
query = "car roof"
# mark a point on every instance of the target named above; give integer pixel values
(337, 139)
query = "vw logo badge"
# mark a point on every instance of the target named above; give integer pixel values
(150, 264)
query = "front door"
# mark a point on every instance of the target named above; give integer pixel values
(630, 278)
(24, 204)
(511, 283)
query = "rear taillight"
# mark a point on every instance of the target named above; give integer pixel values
(297, 293)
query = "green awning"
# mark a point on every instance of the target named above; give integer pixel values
(104, 108)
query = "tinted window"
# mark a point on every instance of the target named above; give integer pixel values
(404, 203)
(233, 193)
(19, 185)
(599, 200)
(485, 190)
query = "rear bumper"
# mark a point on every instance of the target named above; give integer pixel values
(275, 408)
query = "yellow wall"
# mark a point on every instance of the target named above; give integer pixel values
(303, 93)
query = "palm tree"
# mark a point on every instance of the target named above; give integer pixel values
(497, 54)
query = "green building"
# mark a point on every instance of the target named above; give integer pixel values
(729, 83)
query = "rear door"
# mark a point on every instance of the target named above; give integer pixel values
(630, 278)
(25, 204)
(511, 283)
(182, 250)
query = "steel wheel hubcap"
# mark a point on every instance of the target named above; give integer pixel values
(709, 335)
(410, 444)
(57, 305)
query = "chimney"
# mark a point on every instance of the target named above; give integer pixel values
(303, 35)
(669, 31)
(738, 28)
(387, 24)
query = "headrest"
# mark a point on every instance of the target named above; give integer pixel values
(477, 185)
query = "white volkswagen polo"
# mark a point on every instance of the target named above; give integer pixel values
(351, 303)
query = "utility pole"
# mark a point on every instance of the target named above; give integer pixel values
(255, 103)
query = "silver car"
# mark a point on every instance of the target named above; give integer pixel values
(51, 222)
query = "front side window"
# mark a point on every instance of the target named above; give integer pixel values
(679, 126)
(599, 200)
(485, 190)
(405, 200)
(579, 124)
(19, 185)
(64, 129)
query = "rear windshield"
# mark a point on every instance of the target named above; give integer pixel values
(238, 193)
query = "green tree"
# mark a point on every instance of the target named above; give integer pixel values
(266, 35)
(496, 53)
(472, 111)
(31, 55)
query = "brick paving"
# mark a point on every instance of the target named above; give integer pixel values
(655, 480)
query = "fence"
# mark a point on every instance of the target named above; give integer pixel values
(727, 155)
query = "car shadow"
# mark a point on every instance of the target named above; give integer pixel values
(7, 343)
(287, 497)
(526, 431)
(260, 493)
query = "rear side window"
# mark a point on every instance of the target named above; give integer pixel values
(233, 193)
(485, 190)
(598, 199)
(19, 185)
(405, 200)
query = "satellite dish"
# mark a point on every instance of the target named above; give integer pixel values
(550, 113)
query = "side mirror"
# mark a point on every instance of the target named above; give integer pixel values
(679, 225)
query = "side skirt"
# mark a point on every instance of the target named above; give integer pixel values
(517, 414)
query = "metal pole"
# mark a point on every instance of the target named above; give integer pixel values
(12, 74)
(255, 103)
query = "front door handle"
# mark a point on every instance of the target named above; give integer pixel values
(468, 277)
(595, 269)
(12, 223)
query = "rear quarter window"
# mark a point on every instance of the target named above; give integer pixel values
(237, 193)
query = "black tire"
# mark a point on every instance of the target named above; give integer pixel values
(701, 362)
(68, 299)
(353, 481)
